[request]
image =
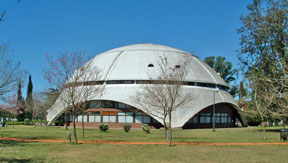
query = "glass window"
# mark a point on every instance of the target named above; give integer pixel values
(229, 120)
(121, 113)
(112, 118)
(150, 65)
(94, 104)
(138, 113)
(85, 118)
(224, 117)
(121, 119)
(146, 119)
(195, 119)
(97, 118)
(91, 118)
(125, 117)
(205, 118)
(109, 116)
(94, 117)
(129, 119)
(218, 120)
(112, 82)
(79, 118)
(122, 106)
(105, 118)
(138, 119)
(108, 104)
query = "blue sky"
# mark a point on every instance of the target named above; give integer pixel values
(34, 28)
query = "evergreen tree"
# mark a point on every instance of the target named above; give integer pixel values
(242, 91)
(20, 104)
(19, 94)
(29, 97)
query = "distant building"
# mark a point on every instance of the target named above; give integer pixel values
(125, 69)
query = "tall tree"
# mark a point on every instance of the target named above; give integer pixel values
(29, 98)
(19, 94)
(225, 69)
(242, 91)
(20, 104)
(263, 51)
(163, 94)
(70, 73)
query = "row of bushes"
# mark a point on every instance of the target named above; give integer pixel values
(25, 122)
(127, 126)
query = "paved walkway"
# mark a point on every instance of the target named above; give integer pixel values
(144, 143)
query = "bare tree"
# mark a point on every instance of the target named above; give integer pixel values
(42, 101)
(75, 78)
(10, 72)
(262, 97)
(279, 90)
(163, 94)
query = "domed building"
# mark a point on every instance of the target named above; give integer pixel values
(125, 69)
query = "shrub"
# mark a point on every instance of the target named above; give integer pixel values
(127, 127)
(146, 128)
(15, 123)
(26, 121)
(103, 127)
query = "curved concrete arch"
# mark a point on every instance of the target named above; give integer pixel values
(236, 108)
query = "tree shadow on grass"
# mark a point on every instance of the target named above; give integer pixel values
(13, 160)
(267, 130)
(24, 160)
(11, 143)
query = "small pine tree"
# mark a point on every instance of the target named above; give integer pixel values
(29, 97)
(20, 104)
(19, 94)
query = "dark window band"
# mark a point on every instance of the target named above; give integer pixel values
(199, 84)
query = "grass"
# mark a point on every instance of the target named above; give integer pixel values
(11, 151)
(197, 135)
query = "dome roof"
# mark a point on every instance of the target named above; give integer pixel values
(147, 47)
(131, 63)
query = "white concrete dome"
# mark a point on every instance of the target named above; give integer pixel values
(130, 63)
(134, 59)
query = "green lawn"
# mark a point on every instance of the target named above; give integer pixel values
(12, 151)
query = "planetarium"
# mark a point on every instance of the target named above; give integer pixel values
(124, 70)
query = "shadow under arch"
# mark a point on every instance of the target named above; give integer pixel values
(226, 115)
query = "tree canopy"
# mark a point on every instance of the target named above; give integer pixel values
(264, 56)
(225, 69)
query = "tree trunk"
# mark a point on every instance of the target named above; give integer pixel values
(283, 122)
(170, 130)
(263, 126)
(13, 122)
(66, 120)
(165, 129)
(74, 128)
(83, 124)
